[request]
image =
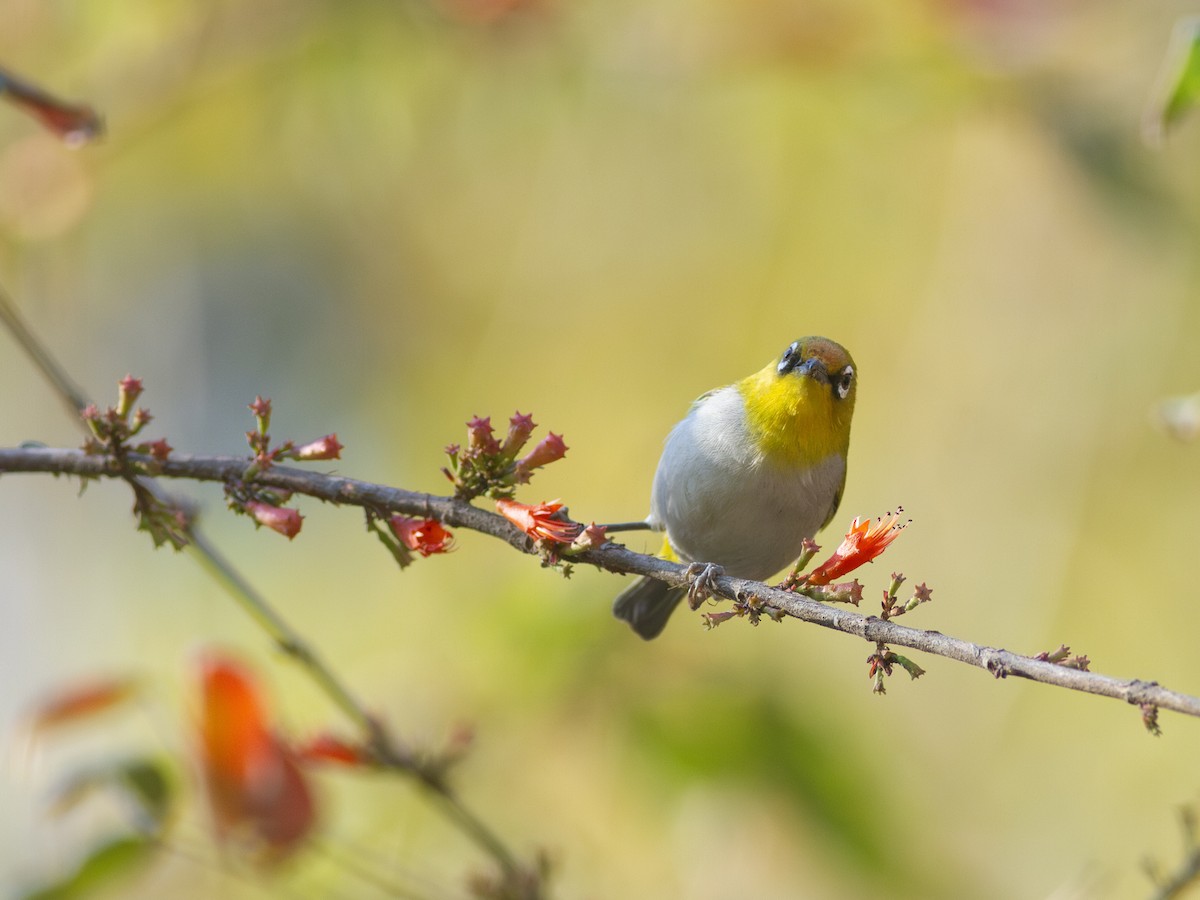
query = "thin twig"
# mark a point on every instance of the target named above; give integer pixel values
(64, 388)
(614, 558)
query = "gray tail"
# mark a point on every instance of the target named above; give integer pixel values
(646, 605)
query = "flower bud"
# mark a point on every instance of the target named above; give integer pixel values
(481, 440)
(519, 429)
(128, 390)
(160, 449)
(323, 448)
(262, 412)
(549, 449)
(283, 519)
(590, 538)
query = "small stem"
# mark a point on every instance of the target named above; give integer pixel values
(285, 637)
(473, 826)
(45, 363)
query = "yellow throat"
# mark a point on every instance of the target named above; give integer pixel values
(798, 418)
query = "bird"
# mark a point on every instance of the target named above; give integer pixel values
(751, 471)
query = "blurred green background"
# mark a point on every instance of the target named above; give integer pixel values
(391, 216)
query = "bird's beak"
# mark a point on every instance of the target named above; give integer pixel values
(814, 369)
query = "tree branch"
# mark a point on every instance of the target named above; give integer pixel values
(388, 751)
(612, 557)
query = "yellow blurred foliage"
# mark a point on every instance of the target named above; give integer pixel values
(389, 217)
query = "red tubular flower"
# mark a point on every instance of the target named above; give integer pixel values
(481, 439)
(257, 791)
(425, 536)
(323, 448)
(549, 449)
(283, 519)
(538, 520)
(519, 429)
(863, 542)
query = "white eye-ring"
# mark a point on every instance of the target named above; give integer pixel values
(788, 358)
(847, 379)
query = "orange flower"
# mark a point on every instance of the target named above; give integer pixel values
(539, 521)
(863, 542)
(426, 536)
(257, 791)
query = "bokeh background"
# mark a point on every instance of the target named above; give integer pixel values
(391, 216)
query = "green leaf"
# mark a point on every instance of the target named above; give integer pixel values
(1178, 81)
(107, 863)
(143, 781)
(147, 783)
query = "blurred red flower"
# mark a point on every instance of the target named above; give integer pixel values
(257, 791)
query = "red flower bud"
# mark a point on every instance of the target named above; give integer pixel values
(128, 390)
(323, 448)
(283, 519)
(262, 412)
(481, 438)
(549, 449)
(519, 429)
(160, 449)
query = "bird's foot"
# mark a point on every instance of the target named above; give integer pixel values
(700, 578)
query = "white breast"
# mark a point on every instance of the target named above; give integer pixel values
(721, 502)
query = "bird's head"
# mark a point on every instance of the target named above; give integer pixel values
(799, 406)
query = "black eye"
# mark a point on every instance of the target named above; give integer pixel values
(790, 355)
(844, 383)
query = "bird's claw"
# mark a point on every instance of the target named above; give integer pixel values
(700, 578)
